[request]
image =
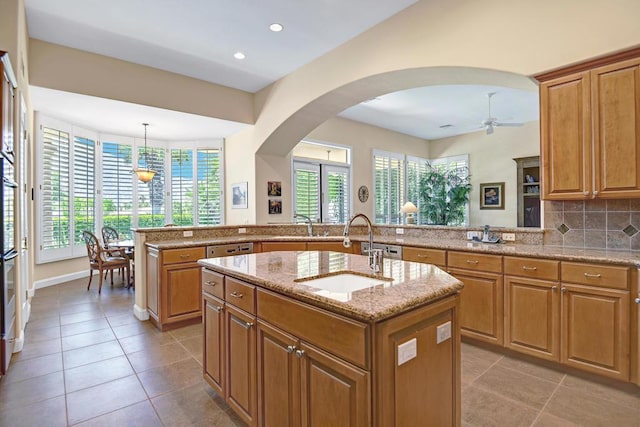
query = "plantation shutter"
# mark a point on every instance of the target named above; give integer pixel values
(388, 187)
(416, 169)
(84, 184)
(182, 200)
(306, 178)
(336, 194)
(209, 186)
(54, 192)
(117, 187)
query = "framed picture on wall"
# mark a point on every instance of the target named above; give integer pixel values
(274, 188)
(239, 195)
(275, 206)
(492, 195)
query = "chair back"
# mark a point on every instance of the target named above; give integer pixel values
(93, 246)
(109, 234)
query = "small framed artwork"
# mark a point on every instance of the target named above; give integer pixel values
(239, 195)
(275, 206)
(274, 188)
(492, 195)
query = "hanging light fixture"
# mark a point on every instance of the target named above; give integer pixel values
(145, 174)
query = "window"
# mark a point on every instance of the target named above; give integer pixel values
(416, 168)
(388, 186)
(321, 182)
(86, 183)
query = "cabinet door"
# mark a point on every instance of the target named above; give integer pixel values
(241, 363)
(532, 318)
(616, 124)
(333, 392)
(153, 282)
(595, 330)
(182, 291)
(214, 343)
(481, 305)
(565, 137)
(278, 378)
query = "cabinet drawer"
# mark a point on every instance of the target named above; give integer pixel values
(213, 283)
(608, 276)
(472, 261)
(174, 256)
(546, 269)
(240, 294)
(429, 256)
(338, 335)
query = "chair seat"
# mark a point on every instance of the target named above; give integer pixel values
(115, 260)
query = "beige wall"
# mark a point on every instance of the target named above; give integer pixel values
(491, 160)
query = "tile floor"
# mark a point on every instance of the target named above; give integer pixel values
(87, 361)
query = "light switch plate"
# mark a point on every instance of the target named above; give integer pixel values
(443, 332)
(407, 351)
(187, 233)
(242, 230)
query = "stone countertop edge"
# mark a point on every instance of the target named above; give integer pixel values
(366, 305)
(631, 258)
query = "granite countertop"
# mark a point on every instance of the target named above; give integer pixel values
(538, 251)
(407, 284)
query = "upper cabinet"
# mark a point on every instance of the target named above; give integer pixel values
(590, 130)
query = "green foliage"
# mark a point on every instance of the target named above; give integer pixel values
(443, 196)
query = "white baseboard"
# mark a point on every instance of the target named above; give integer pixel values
(140, 313)
(51, 281)
(18, 344)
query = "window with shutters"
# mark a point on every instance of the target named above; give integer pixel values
(86, 184)
(388, 186)
(322, 182)
(416, 169)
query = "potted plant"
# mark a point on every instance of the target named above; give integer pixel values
(444, 194)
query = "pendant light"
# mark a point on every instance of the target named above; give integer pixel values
(145, 174)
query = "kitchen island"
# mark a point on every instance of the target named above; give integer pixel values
(313, 338)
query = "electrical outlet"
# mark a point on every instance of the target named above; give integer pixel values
(472, 234)
(443, 332)
(407, 351)
(242, 230)
(399, 230)
(187, 233)
(509, 237)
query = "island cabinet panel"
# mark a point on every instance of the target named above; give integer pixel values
(423, 390)
(278, 377)
(333, 392)
(174, 286)
(329, 246)
(429, 256)
(283, 246)
(214, 343)
(241, 387)
(482, 298)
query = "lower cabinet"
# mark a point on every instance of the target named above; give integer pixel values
(214, 363)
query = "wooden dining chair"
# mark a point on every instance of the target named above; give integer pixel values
(102, 259)
(109, 234)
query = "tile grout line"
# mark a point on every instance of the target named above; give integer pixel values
(548, 400)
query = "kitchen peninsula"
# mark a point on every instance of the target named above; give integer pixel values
(313, 338)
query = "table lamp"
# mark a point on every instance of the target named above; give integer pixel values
(409, 209)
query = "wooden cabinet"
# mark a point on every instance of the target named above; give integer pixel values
(590, 131)
(174, 286)
(528, 173)
(595, 318)
(532, 306)
(429, 256)
(214, 363)
(328, 246)
(481, 299)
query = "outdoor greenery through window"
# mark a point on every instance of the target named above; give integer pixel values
(86, 184)
(399, 178)
(322, 182)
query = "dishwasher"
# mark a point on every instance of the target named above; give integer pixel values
(229, 250)
(389, 251)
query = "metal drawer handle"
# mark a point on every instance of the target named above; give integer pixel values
(299, 353)
(236, 294)
(291, 348)
(524, 267)
(210, 283)
(472, 261)
(593, 276)
(185, 256)
(423, 256)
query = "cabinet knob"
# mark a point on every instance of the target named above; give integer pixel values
(218, 309)
(236, 294)
(595, 193)
(291, 348)
(554, 288)
(586, 193)
(299, 353)
(247, 325)
(637, 300)
(564, 290)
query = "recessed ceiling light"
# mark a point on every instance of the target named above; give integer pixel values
(239, 55)
(276, 28)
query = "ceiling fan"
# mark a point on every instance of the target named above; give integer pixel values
(491, 122)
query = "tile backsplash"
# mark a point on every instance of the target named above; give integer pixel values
(593, 224)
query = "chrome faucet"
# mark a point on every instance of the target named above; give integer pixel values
(307, 220)
(375, 255)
